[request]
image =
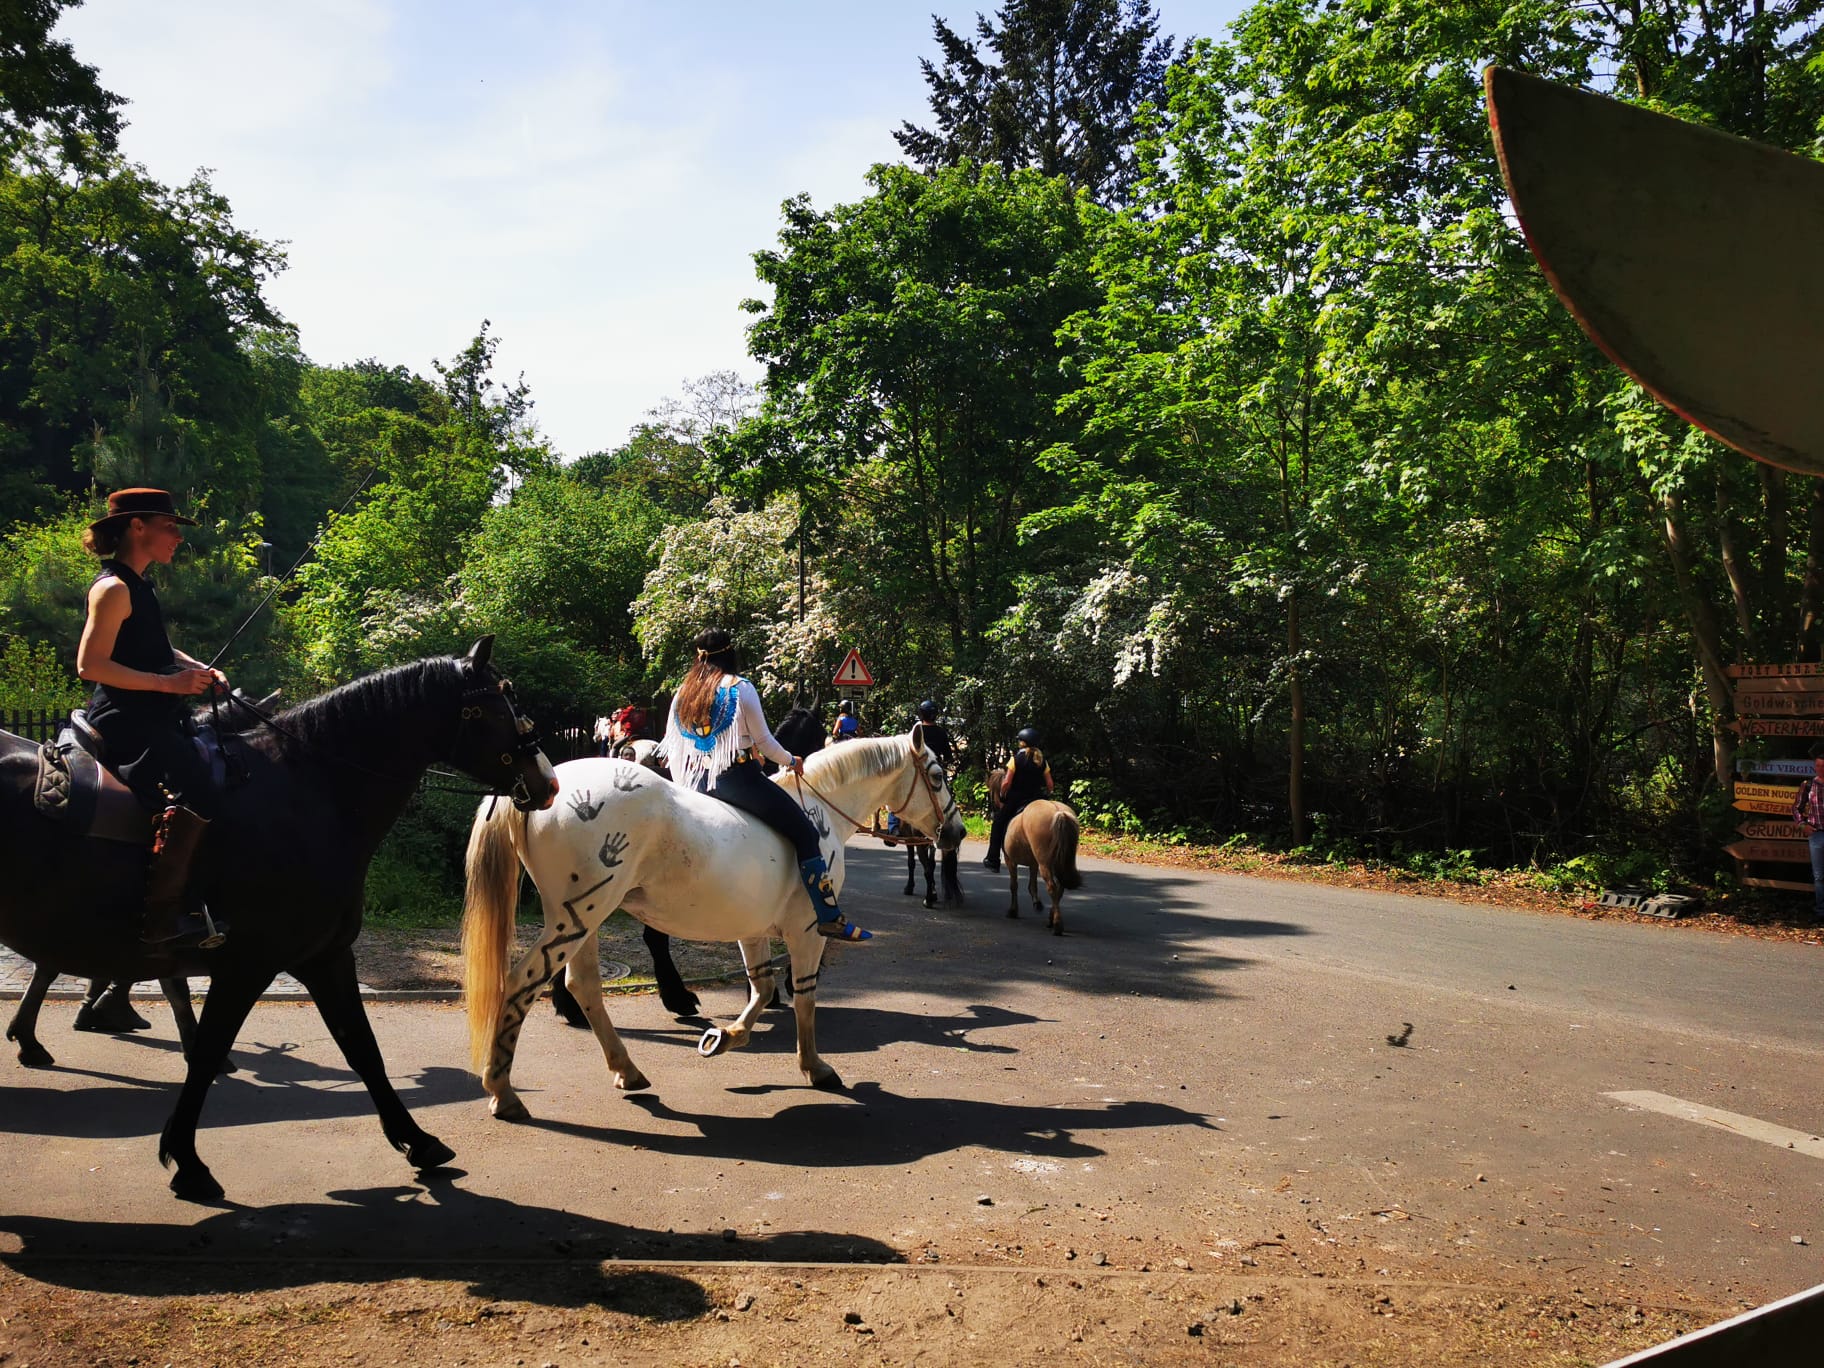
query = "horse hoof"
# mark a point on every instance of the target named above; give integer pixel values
(632, 1082)
(508, 1109)
(32, 1055)
(1013, 912)
(429, 1153)
(1057, 930)
(686, 1006)
(930, 900)
(713, 1043)
(910, 890)
(196, 1184)
(830, 1082)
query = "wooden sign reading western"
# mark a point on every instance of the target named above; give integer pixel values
(1778, 726)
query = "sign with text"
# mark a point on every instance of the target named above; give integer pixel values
(1778, 726)
(1769, 805)
(1800, 769)
(1778, 852)
(1812, 667)
(1786, 793)
(852, 674)
(1773, 831)
(1757, 700)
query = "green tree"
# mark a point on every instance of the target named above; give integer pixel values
(913, 371)
(124, 307)
(1061, 96)
(44, 87)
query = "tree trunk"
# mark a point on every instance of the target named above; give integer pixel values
(1706, 638)
(1295, 758)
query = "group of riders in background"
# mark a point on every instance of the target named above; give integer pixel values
(715, 736)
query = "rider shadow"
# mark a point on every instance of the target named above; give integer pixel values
(542, 1255)
(274, 1084)
(870, 1126)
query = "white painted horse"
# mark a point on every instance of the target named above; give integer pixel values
(683, 863)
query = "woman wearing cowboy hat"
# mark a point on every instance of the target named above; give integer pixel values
(141, 684)
(714, 740)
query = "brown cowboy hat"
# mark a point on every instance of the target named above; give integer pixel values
(140, 503)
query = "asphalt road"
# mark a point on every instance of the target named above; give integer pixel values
(1200, 1075)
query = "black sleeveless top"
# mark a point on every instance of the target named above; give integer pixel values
(1028, 780)
(141, 644)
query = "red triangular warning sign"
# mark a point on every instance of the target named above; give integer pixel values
(852, 673)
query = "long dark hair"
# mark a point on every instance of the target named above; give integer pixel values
(715, 658)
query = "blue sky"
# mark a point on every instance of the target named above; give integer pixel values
(593, 176)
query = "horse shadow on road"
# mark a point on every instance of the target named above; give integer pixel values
(504, 1250)
(274, 1083)
(869, 1126)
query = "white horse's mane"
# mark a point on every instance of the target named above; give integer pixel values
(846, 760)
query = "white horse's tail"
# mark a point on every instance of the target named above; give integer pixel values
(488, 910)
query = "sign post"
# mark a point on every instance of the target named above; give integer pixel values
(1775, 701)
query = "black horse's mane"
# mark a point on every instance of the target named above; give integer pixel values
(366, 711)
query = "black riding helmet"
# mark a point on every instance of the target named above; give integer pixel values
(1028, 736)
(927, 711)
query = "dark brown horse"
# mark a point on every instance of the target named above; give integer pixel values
(285, 865)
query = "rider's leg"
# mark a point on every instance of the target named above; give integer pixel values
(172, 768)
(743, 786)
(108, 1007)
(997, 837)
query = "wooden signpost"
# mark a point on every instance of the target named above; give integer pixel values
(1775, 701)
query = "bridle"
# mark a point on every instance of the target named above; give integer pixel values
(915, 750)
(525, 739)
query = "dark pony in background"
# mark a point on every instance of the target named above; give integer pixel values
(285, 865)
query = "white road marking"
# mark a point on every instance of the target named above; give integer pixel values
(1765, 1131)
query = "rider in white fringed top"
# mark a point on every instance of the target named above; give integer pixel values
(713, 740)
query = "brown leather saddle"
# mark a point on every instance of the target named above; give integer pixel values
(77, 790)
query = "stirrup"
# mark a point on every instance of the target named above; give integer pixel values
(192, 931)
(840, 928)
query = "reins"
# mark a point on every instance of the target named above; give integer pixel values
(918, 776)
(527, 735)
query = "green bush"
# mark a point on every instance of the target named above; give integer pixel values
(32, 677)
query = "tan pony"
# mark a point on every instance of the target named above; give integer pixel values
(1044, 839)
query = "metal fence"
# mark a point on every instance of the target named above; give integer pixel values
(35, 724)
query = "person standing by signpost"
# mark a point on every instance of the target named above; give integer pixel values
(1808, 812)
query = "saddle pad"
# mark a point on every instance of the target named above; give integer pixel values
(76, 792)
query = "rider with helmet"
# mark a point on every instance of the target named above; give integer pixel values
(936, 734)
(715, 738)
(847, 726)
(1028, 779)
(139, 706)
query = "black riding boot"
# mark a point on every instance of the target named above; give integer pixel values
(167, 922)
(997, 837)
(108, 1007)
